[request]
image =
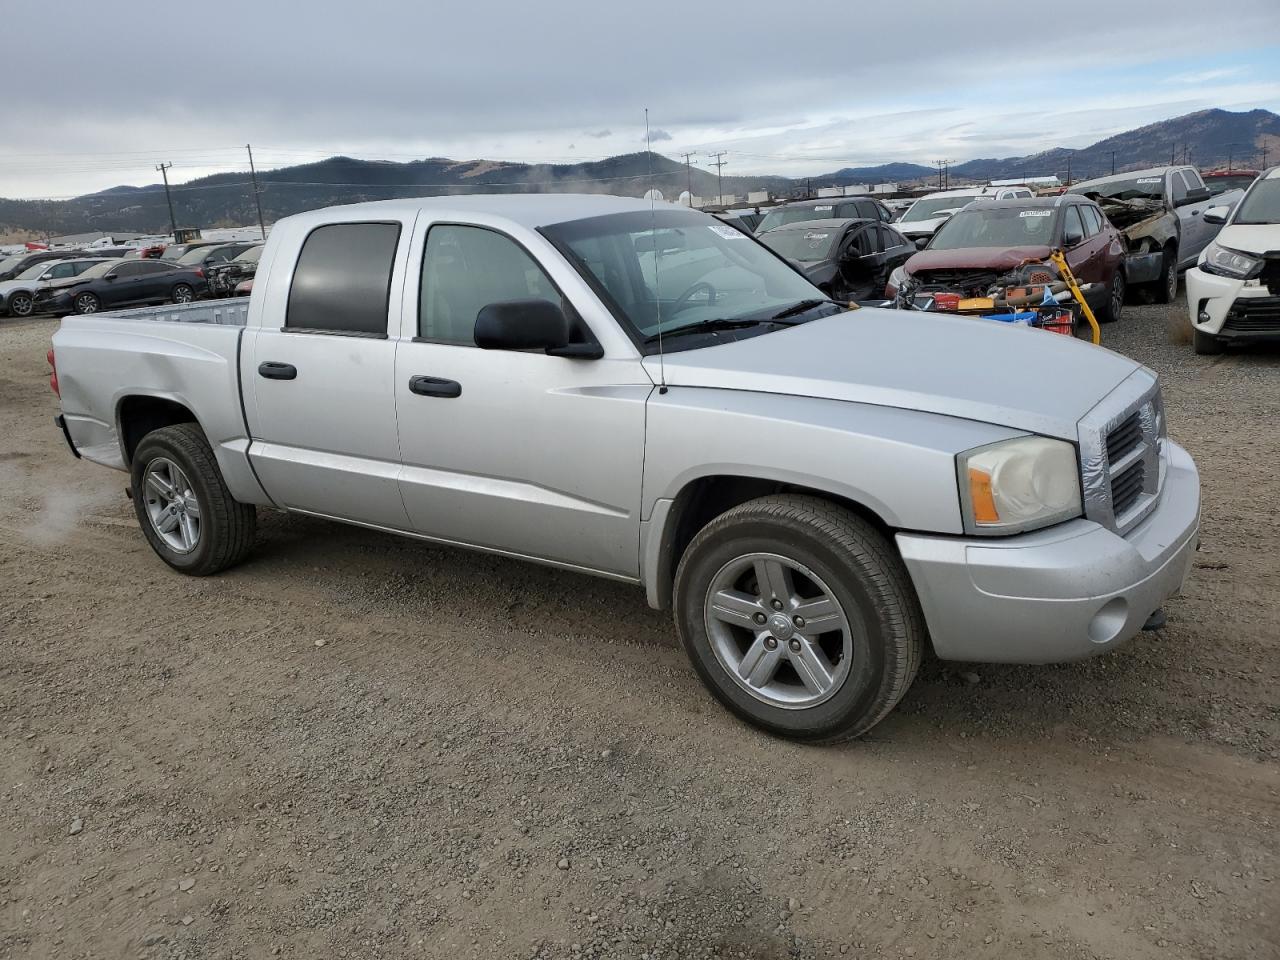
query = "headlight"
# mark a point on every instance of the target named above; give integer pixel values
(896, 278)
(1018, 484)
(1228, 263)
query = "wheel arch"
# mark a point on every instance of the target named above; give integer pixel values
(138, 414)
(676, 521)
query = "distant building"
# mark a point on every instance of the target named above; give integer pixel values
(758, 196)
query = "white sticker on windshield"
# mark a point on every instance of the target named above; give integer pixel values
(1035, 213)
(823, 209)
(816, 236)
(729, 233)
(1148, 180)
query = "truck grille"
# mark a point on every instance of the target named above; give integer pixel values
(1254, 315)
(1122, 454)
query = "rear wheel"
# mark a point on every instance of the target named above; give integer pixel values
(1205, 344)
(21, 304)
(86, 303)
(183, 293)
(1110, 313)
(184, 508)
(799, 617)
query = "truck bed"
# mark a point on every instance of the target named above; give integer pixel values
(233, 312)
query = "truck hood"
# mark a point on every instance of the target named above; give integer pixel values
(1000, 259)
(1011, 376)
(922, 228)
(1245, 237)
(7, 285)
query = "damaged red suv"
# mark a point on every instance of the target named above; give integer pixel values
(994, 243)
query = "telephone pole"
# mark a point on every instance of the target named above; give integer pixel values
(938, 164)
(688, 159)
(1068, 172)
(718, 163)
(1113, 163)
(257, 192)
(173, 223)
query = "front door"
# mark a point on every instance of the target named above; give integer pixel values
(516, 451)
(318, 392)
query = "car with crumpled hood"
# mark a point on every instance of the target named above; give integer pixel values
(640, 392)
(1002, 243)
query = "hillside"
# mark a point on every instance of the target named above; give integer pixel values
(1209, 138)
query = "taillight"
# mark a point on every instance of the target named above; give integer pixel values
(53, 373)
(199, 271)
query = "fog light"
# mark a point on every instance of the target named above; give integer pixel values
(1203, 317)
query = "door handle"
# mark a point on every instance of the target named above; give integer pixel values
(435, 387)
(277, 371)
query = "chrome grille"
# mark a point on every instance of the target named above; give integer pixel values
(1122, 456)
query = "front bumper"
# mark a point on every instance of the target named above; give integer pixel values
(1064, 593)
(1225, 303)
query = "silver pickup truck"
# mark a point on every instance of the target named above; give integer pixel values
(641, 392)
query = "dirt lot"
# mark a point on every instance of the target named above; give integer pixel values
(361, 746)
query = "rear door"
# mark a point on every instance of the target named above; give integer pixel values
(125, 284)
(516, 451)
(318, 390)
(156, 280)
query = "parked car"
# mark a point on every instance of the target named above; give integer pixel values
(1220, 181)
(845, 259)
(224, 277)
(206, 256)
(244, 288)
(926, 215)
(18, 296)
(174, 252)
(1160, 213)
(11, 267)
(830, 208)
(119, 283)
(1233, 292)
(990, 240)
(745, 220)
(816, 494)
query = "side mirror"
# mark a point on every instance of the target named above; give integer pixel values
(1217, 214)
(1071, 238)
(109, 276)
(921, 242)
(522, 325)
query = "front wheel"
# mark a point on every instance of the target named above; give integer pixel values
(183, 293)
(86, 303)
(1110, 313)
(800, 617)
(1165, 290)
(184, 508)
(21, 304)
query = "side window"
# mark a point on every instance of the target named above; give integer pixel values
(890, 239)
(342, 282)
(863, 243)
(1193, 179)
(1072, 227)
(467, 268)
(1179, 186)
(130, 270)
(147, 268)
(1092, 220)
(60, 270)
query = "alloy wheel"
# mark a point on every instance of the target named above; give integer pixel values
(171, 505)
(778, 630)
(21, 305)
(86, 303)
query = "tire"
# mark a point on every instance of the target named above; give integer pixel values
(86, 303)
(183, 293)
(21, 304)
(1114, 306)
(224, 528)
(1205, 344)
(845, 572)
(1165, 290)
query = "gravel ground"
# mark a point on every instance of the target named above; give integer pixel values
(361, 746)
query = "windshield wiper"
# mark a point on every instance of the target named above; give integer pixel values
(796, 308)
(709, 326)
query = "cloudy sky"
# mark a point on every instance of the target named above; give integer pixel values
(784, 88)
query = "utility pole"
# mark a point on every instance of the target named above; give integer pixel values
(938, 164)
(688, 159)
(1113, 163)
(718, 163)
(1173, 154)
(1264, 151)
(173, 223)
(257, 193)
(1068, 173)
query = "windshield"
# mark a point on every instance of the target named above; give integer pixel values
(926, 208)
(1124, 188)
(33, 273)
(1229, 181)
(999, 227)
(8, 263)
(195, 255)
(673, 269)
(98, 269)
(776, 218)
(1261, 204)
(807, 246)
(251, 255)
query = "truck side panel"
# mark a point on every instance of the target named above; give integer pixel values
(102, 361)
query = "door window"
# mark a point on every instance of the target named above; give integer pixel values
(890, 239)
(1092, 220)
(131, 270)
(1072, 227)
(1179, 186)
(862, 243)
(342, 283)
(467, 268)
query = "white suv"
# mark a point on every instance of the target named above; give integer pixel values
(1233, 291)
(932, 210)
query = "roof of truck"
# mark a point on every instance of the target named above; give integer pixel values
(530, 210)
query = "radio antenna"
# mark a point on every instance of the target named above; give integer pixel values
(653, 238)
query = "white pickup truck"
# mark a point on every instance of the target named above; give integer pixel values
(641, 392)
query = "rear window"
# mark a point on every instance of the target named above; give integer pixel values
(342, 283)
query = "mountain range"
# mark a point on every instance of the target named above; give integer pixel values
(1207, 138)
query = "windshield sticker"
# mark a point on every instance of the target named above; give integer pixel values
(729, 233)
(1035, 213)
(823, 209)
(816, 236)
(1148, 180)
